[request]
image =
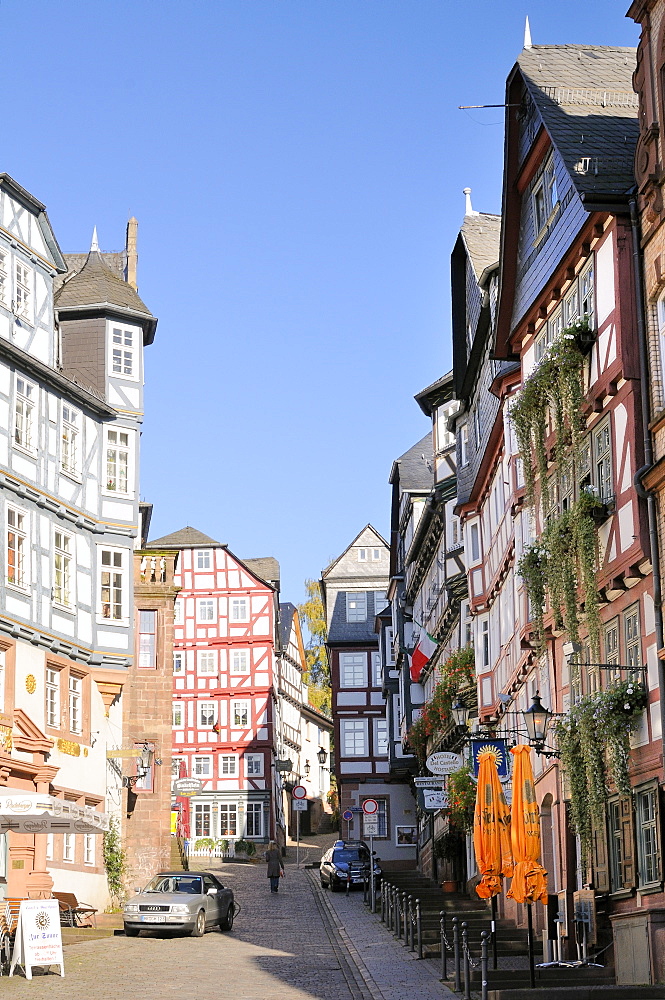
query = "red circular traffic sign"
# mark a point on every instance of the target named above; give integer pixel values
(370, 807)
(299, 792)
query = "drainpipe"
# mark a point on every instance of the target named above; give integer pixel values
(642, 343)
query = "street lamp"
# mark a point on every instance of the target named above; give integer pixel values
(322, 755)
(307, 769)
(460, 713)
(536, 719)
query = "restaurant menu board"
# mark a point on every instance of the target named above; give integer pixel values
(38, 940)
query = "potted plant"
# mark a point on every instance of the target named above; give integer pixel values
(449, 847)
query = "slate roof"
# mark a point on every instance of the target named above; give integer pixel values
(415, 467)
(482, 234)
(585, 96)
(286, 613)
(97, 284)
(75, 261)
(266, 568)
(185, 538)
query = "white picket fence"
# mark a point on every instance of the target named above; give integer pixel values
(218, 852)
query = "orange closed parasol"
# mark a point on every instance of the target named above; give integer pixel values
(529, 878)
(491, 828)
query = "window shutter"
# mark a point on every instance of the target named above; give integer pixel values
(601, 872)
(627, 843)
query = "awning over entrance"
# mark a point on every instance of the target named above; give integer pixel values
(32, 812)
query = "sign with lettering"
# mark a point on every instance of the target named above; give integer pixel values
(433, 799)
(370, 826)
(299, 805)
(428, 782)
(443, 762)
(187, 787)
(38, 941)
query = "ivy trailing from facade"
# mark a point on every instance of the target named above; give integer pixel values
(115, 862)
(594, 743)
(457, 672)
(556, 387)
(461, 798)
(560, 564)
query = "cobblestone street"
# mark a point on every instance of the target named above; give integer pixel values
(301, 944)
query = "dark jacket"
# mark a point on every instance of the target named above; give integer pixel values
(274, 859)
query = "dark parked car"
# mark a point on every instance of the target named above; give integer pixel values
(185, 901)
(347, 858)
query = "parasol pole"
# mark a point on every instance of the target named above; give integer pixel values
(494, 948)
(532, 971)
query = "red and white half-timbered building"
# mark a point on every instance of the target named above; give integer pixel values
(225, 713)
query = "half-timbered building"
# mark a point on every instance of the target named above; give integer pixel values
(354, 591)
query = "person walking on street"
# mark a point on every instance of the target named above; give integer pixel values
(275, 865)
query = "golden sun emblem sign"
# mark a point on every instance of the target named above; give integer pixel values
(30, 684)
(42, 920)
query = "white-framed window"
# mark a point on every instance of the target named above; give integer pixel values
(362, 555)
(68, 843)
(464, 445)
(207, 713)
(354, 737)
(254, 765)
(228, 766)
(178, 715)
(240, 661)
(648, 851)
(75, 703)
(356, 606)
(254, 819)
(112, 584)
(147, 640)
(4, 277)
(377, 670)
(202, 819)
(205, 609)
(380, 601)
(23, 289)
(69, 440)
(179, 612)
(24, 415)
(206, 661)
(123, 353)
(203, 767)
(240, 714)
(17, 548)
(631, 633)
(178, 662)
(390, 650)
(118, 461)
(376, 555)
(239, 609)
(89, 848)
(545, 196)
(203, 558)
(63, 551)
(52, 698)
(380, 737)
(353, 670)
(602, 454)
(228, 819)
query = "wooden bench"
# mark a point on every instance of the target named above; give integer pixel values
(73, 913)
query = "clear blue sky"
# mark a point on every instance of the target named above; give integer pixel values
(296, 167)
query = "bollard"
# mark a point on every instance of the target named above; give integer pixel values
(456, 956)
(484, 943)
(419, 928)
(348, 883)
(398, 916)
(444, 950)
(391, 908)
(365, 887)
(467, 967)
(411, 938)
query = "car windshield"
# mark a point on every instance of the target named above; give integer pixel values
(349, 854)
(191, 884)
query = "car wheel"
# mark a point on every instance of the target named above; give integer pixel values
(131, 931)
(198, 930)
(226, 924)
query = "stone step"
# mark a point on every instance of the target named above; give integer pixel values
(583, 993)
(579, 975)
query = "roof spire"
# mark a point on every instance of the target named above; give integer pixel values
(94, 246)
(468, 208)
(527, 34)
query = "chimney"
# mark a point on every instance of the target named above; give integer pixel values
(131, 253)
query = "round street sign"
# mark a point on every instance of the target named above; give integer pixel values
(347, 815)
(370, 807)
(299, 792)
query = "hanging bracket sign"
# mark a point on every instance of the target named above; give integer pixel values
(443, 762)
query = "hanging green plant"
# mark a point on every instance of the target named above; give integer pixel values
(555, 387)
(561, 567)
(461, 798)
(456, 672)
(594, 743)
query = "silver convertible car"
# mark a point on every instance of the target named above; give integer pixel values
(186, 901)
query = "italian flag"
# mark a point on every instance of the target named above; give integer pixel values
(422, 654)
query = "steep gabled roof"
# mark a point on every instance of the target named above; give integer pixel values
(585, 96)
(414, 469)
(368, 527)
(481, 235)
(39, 210)
(97, 286)
(185, 538)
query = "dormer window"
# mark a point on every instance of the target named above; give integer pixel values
(545, 197)
(123, 361)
